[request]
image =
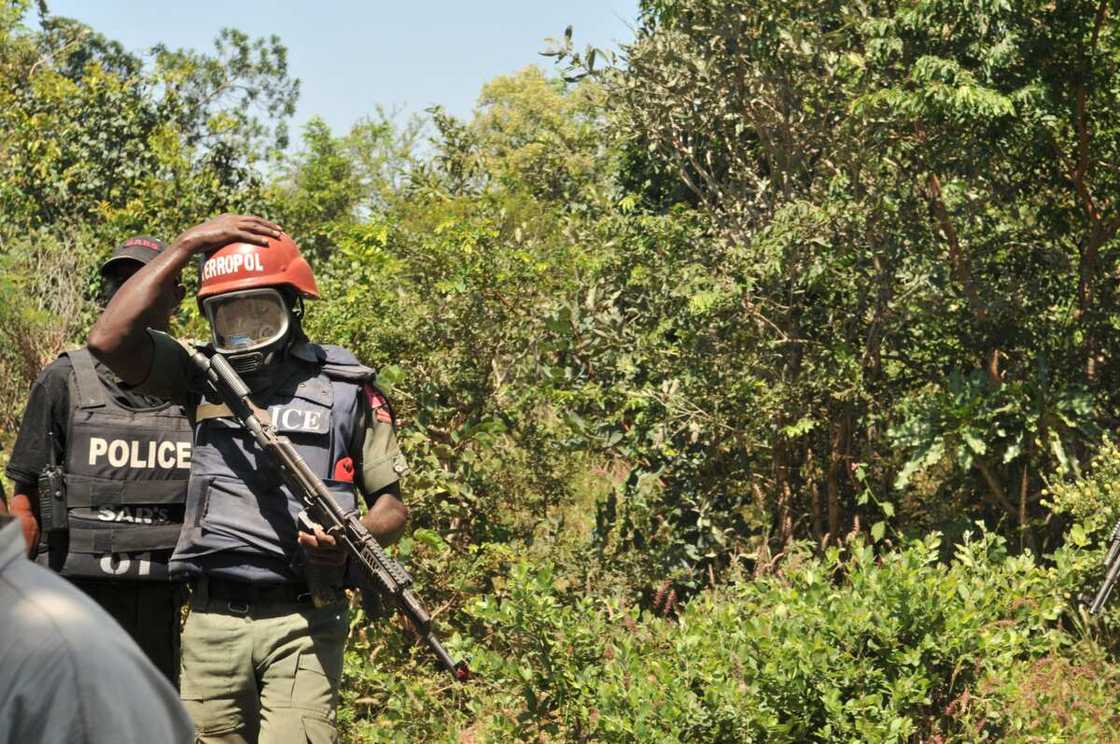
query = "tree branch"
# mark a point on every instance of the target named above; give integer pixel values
(1081, 123)
(995, 489)
(957, 256)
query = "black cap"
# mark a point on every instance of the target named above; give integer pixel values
(142, 248)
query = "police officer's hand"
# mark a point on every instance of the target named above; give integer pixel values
(322, 548)
(21, 509)
(225, 229)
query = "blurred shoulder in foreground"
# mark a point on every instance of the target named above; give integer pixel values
(68, 672)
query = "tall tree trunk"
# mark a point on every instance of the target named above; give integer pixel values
(838, 457)
(784, 494)
(814, 496)
(1026, 534)
(961, 265)
(1100, 232)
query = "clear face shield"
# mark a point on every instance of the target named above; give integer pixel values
(246, 324)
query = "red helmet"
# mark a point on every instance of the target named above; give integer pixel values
(239, 266)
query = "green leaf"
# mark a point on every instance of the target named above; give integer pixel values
(390, 375)
(923, 459)
(430, 538)
(1077, 535)
(974, 442)
(802, 426)
(878, 530)
(1058, 450)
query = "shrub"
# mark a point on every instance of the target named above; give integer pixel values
(852, 646)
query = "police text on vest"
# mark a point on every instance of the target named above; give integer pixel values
(144, 455)
(290, 418)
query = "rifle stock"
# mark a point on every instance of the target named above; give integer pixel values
(373, 564)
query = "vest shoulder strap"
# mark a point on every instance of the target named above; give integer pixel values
(340, 364)
(91, 393)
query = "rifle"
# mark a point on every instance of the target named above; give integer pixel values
(1111, 573)
(346, 528)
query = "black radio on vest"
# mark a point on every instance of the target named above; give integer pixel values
(52, 493)
(123, 484)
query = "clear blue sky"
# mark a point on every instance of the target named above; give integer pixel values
(352, 55)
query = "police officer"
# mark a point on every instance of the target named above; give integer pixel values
(260, 658)
(113, 465)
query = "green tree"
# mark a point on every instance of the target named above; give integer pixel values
(97, 143)
(896, 302)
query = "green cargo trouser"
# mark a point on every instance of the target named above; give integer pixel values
(267, 672)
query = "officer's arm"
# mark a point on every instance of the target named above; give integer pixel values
(20, 507)
(120, 337)
(387, 516)
(385, 519)
(381, 467)
(42, 432)
(24, 498)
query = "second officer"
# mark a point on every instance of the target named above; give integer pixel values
(100, 476)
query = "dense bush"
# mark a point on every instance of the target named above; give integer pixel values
(852, 646)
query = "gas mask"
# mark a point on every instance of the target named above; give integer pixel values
(249, 328)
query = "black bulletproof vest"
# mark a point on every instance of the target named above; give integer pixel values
(126, 484)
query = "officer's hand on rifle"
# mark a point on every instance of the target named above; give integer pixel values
(225, 229)
(322, 548)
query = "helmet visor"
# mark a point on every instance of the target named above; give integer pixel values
(244, 321)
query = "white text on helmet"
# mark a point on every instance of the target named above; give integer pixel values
(222, 265)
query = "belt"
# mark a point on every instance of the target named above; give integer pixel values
(239, 595)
